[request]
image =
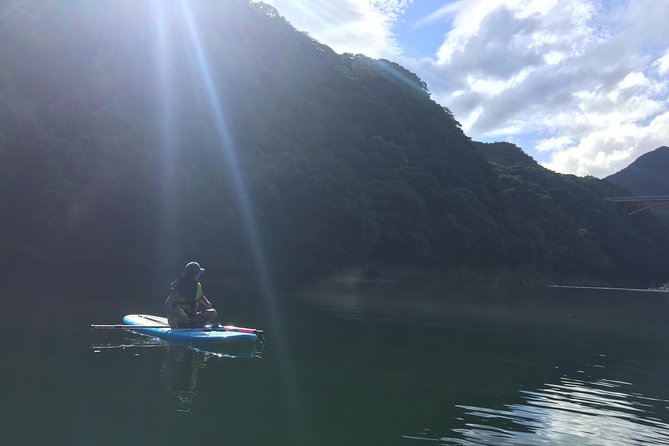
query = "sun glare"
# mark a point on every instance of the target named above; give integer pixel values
(245, 206)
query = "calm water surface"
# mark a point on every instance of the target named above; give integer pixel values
(342, 365)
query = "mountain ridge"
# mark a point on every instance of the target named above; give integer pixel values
(647, 175)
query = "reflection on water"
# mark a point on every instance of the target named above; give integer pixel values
(181, 364)
(179, 371)
(571, 412)
(549, 367)
(134, 342)
(460, 366)
(221, 351)
(179, 367)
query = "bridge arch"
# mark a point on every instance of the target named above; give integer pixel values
(634, 205)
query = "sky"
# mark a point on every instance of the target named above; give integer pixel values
(580, 85)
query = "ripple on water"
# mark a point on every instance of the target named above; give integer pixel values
(602, 412)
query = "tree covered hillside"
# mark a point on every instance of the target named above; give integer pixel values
(564, 224)
(156, 132)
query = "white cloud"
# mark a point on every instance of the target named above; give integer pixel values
(392, 9)
(347, 26)
(554, 143)
(585, 82)
(662, 64)
(438, 15)
(605, 151)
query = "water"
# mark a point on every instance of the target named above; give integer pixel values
(345, 365)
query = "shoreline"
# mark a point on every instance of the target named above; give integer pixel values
(604, 288)
(436, 277)
(362, 276)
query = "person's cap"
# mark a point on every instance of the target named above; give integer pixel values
(194, 268)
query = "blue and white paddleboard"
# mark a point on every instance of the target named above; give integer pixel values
(158, 326)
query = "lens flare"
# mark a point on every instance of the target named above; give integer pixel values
(248, 218)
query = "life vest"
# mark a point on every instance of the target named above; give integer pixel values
(185, 302)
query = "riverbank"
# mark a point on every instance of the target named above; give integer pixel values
(408, 278)
(372, 277)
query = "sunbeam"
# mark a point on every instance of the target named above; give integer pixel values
(401, 77)
(229, 153)
(248, 218)
(167, 229)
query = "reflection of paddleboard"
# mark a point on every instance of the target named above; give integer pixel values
(227, 335)
(209, 350)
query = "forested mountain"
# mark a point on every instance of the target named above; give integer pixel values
(648, 175)
(564, 224)
(156, 132)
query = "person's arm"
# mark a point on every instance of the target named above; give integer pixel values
(204, 301)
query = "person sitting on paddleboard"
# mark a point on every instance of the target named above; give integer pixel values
(185, 300)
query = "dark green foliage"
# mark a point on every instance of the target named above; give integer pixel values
(565, 226)
(113, 150)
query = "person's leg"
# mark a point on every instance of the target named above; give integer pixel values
(204, 317)
(181, 318)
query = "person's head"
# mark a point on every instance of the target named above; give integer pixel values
(193, 270)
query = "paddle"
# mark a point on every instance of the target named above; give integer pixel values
(124, 326)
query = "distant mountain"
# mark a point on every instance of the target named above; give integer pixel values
(153, 133)
(647, 176)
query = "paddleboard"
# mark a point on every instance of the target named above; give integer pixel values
(228, 335)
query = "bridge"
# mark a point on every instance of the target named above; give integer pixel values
(634, 205)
